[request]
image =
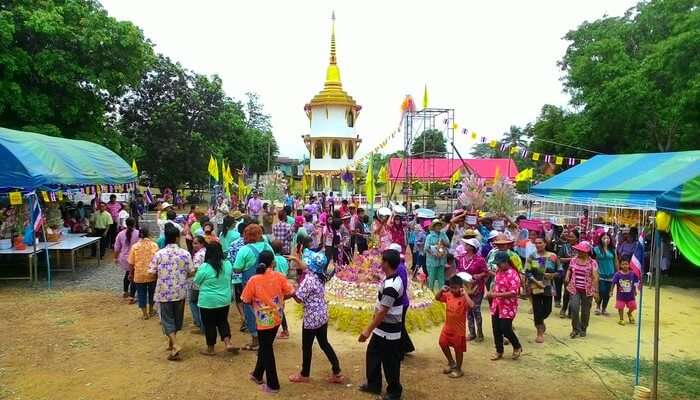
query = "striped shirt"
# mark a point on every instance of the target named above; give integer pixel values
(390, 295)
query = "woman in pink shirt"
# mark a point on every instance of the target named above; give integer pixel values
(582, 285)
(122, 245)
(475, 265)
(504, 305)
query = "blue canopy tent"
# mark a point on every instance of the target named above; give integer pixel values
(635, 181)
(624, 180)
(31, 162)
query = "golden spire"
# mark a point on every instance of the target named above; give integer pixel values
(333, 92)
(333, 60)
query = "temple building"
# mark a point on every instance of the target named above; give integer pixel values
(332, 141)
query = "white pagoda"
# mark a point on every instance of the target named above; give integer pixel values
(332, 141)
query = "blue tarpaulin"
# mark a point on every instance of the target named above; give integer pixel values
(30, 161)
(624, 180)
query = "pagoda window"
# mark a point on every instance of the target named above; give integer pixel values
(351, 118)
(318, 149)
(351, 150)
(335, 150)
(335, 184)
(318, 183)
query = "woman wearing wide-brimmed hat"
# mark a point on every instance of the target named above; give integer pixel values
(472, 263)
(503, 298)
(436, 249)
(582, 284)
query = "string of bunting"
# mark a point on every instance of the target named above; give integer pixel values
(57, 195)
(522, 152)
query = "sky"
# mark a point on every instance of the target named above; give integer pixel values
(493, 62)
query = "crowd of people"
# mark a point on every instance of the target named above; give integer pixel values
(256, 256)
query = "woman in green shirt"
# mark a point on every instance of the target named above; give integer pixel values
(228, 234)
(213, 278)
(607, 265)
(246, 262)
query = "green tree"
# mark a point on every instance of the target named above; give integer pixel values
(431, 143)
(63, 66)
(636, 79)
(175, 119)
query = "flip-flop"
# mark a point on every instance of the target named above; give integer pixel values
(174, 356)
(455, 374)
(206, 353)
(251, 347)
(232, 349)
(255, 380)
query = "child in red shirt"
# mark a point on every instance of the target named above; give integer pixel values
(454, 333)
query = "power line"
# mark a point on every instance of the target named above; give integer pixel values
(567, 145)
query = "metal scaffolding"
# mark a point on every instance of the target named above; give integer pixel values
(414, 124)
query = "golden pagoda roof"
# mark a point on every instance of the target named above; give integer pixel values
(333, 93)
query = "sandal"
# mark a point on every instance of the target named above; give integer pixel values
(174, 356)
(232, 349)
(251, 347)
(267, 389)
(496, 356)
(243, 328)
(336, 378)
(517, 353)
(457, 373)
(621, 322)
(206, 352)
(631, 320)
(255, 380)
(449, 369)
(299, 378)
(283, 335)
(573, 334)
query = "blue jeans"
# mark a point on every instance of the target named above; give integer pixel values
(193, 296)
(145, 292)
(248, 312)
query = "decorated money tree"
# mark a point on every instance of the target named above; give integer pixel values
(502, 200)
(473, 194)
(352, 294)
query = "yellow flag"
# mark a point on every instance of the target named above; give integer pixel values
(370, 190)
(456, 176)
(513, 150)
(535, 156)
(559, 160)
(473, 135)
(454, 126)
(134, 167)
(493, 144)
(382, 175)
(425, 96)
(304, 187)
(242, 189)
(497, 174)
(524, 175)
(213, 168)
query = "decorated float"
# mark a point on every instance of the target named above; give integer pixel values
(352, 294)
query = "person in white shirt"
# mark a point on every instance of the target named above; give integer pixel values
(123, 216)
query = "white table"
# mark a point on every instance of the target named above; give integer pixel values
(72, 243)
(30, 253)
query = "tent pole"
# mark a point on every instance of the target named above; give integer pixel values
(637, 362)
(46, 250)
(31, 218)
(657, 304)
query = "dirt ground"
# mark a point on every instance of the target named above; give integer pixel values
(82, 344)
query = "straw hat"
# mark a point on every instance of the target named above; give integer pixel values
(237, 214)
(399, 209)
(470, 233)
(502, 239)
(437, 222)
(165, 205)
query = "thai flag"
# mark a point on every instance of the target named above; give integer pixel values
(637, 261)
(483, 139)
(504, 146)
(148, 197)
(37, 216)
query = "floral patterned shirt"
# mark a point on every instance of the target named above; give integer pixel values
(197, 260)
(172, 265)
(506, 281)
(266, 292)
(312, 294)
